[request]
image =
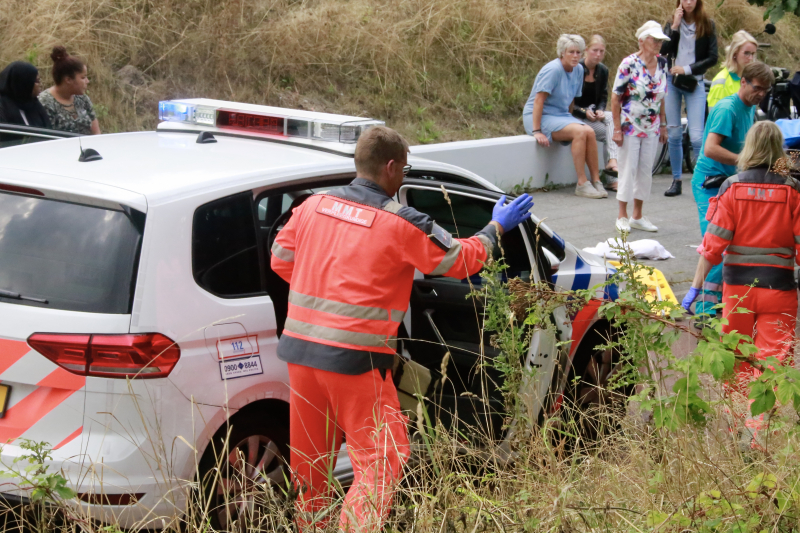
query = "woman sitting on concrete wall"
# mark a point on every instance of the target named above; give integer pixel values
(547, 114)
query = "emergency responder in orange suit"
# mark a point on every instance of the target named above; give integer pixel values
(755, 221)
(349, 256)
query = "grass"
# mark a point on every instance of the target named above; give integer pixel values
(469, 64)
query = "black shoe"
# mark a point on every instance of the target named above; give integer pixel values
(675, 189)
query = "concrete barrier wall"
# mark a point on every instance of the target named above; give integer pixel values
(508, 161)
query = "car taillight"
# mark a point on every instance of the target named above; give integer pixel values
(142, 356)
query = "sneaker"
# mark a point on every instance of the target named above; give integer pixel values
(587, 190)
(643, 224)
(598, 186)
(623, 226)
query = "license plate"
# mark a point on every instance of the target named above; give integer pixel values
(5, 392)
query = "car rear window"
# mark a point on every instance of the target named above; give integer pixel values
(77, 257)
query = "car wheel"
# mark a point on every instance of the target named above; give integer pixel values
(246, 473)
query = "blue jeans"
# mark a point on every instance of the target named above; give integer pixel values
(711, 294)
(695, 114)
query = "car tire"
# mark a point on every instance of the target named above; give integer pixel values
(244, 470)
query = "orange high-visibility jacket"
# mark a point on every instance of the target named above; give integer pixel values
(349, 256)
(755, 220)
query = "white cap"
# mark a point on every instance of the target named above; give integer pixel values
(653, 29)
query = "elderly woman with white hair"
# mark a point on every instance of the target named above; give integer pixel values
(548, 113)
(639, 123)
(740, 53)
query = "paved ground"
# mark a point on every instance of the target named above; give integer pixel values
(585, 222)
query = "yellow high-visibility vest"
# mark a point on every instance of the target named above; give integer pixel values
(724, 84)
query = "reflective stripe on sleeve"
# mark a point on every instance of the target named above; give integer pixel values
(722, 233)
(338, 308)
(392, 207)
(282, 253)
(748, 250)
(324, 333)
(731, 259)
(797, 239)
(448, 260)
(487, 245)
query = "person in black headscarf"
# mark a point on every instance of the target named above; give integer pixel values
(19, 88)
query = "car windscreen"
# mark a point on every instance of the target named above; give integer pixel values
(75, 257)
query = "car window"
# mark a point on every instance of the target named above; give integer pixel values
(76, 257)
(464, 216)
(225, 259)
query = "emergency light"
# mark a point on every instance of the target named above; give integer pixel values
(266, 120)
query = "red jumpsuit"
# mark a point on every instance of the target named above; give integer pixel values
(349, 256)
(755, 220)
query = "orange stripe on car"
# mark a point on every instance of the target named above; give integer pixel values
(69, 439)
(11, 352)
(30, 410)
(63, 379)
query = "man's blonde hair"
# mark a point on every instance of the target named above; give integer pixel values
(376, 147)
(739, 39)
(762, 146)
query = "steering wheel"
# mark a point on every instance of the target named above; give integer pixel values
(276, 226)
(281, 221)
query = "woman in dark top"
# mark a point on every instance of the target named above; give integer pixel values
(19, 88)
(690, 52)
(590, 106)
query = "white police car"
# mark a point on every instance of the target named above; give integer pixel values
(139, 313)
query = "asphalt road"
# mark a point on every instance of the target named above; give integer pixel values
(584, 222)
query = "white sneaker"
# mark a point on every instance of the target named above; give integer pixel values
(598, 186)
(623, 226)
(587, 190)
(643, 224)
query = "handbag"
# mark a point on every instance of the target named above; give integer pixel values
(714, 182)
(685, 82)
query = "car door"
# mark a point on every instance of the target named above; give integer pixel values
(14, 134)
(445, 325)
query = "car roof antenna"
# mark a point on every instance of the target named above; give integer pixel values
(88, 155)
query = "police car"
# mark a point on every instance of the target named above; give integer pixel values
(139, 316)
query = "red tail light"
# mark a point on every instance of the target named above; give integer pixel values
(145, 356)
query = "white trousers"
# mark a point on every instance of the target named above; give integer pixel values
(636, 156)
(603, 131)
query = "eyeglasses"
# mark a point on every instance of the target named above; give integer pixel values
(757, 88)
(406, 170)
(749, 54)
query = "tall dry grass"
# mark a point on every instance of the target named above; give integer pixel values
(435, 69)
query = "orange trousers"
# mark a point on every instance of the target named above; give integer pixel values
(327, 408)
(771, 324)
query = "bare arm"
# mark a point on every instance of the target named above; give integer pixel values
(703, 267)
(538, 109)
(95, 127)
(715, 151)
(616, 111)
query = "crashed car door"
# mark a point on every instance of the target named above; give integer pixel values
(445, 326)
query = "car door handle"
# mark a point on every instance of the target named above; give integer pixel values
(427, 289)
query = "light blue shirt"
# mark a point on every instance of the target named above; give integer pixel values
(562, 86)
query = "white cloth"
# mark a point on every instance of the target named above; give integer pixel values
(636, 156)
(641, 249)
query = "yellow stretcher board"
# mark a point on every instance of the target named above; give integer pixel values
(658, 288)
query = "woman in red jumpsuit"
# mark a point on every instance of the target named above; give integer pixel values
(755, 222)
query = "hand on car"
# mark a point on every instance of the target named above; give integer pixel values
(677, 70)
(541, 138)
(689, 299)
(511, 215)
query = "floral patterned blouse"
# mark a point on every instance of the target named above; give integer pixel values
(77, 118)
(640, 95)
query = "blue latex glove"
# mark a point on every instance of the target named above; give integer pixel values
(689, 299)
(513, 214)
